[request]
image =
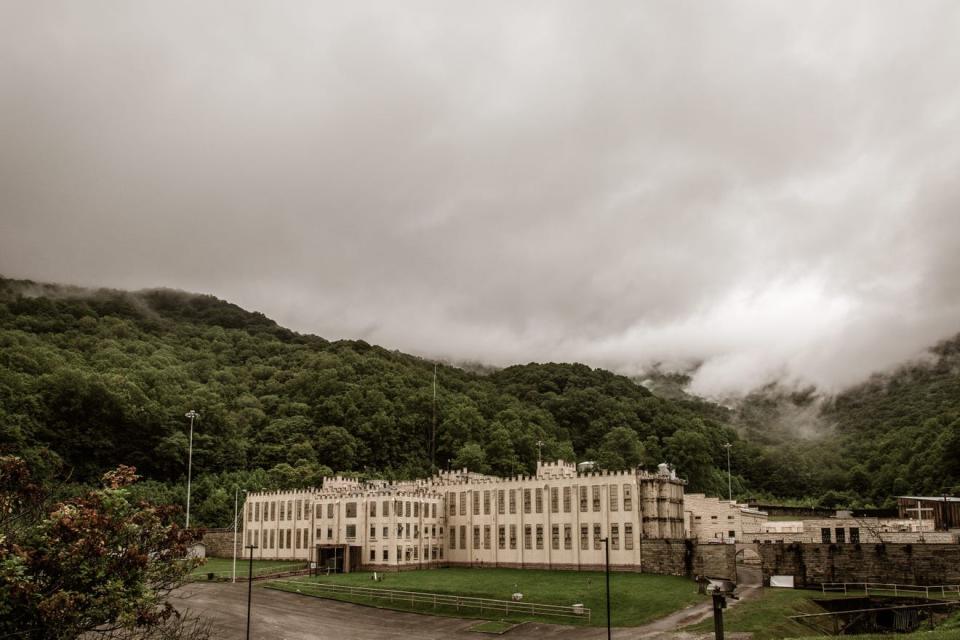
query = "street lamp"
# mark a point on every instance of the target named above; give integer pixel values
(192, 415)
(727, 446)
(540, 443)
(250, 586)
(606, 544)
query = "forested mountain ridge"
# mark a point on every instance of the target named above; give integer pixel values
(93, 378)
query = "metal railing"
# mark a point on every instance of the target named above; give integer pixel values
(484, 605)
(837, 626)
(879, 588)
(242, 568)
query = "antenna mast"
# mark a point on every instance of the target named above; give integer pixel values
(433, 431)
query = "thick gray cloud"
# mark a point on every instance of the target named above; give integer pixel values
(767, 188)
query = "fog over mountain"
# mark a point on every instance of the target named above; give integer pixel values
(765, 189)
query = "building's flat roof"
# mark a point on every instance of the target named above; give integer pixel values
(936, 498)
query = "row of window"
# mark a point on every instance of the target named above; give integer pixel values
(401, 508)
(531, 542)
(840, 535)
(408, 554)
(533, 499)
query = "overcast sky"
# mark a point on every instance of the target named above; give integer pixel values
(769, 188)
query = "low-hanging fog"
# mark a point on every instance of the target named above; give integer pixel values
(765, 189)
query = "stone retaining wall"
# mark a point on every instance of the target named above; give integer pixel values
(910, 564)
(219, 543)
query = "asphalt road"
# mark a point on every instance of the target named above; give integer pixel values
(278, 615)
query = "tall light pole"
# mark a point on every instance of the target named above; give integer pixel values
(250, 586)
(729, 477)
(192, 415)
(539, 445)
(236, 495)
(606, 543)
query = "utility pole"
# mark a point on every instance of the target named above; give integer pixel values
(539, 445)
(727, 446)
(236, 495)
(192, 415)
(250, 586)
(606, 542)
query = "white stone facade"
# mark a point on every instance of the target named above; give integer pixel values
(555, 519)
(710, 519)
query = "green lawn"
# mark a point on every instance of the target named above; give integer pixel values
(636, 598)
(222, 567)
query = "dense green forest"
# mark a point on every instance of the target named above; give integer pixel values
(90, 379)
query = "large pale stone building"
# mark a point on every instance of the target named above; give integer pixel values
(554, 519)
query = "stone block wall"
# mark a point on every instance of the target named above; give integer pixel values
(686, 558)
(219, 543)
(814, 564)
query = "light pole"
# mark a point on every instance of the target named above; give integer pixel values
(539, 445)
(606, 543)
(729, 477)
(236, 495)
(192, 415)
(250, 587)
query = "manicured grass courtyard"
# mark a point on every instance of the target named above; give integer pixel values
(635, 598)
(223, 567)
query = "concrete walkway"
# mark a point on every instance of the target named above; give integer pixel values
(279, 615)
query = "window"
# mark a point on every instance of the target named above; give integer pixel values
(452, 501)
(596, 537)
(351, 531)
(329, 533)
(476, 537)
(463, 503)
(319, 534)
(596, 498)
(319, 511)
(257, 512)
(539, 536)
(289, 536)
(399, 554)
(614, 536)
(555, 537)
(453, 537)
(513, 501)
(583, 499)
(406, 531)
(554, 500)
(486, 536)
(282, 511)
(281, 536)
(386, 554)
(433, 510)
(299, 509)
(841, 535)
(713, 517)
(463, 536)
(855, 535)
(386, 532)
(513, 536)
(486, 503)
(627, 498)
(825, 535)
(729, 517)
(526, 500)
(373, 555)
(566, 499)
(406, 554)
(385, 509)
(567, 537)
(273, 539)
(628, 536)
(330, 510)
(502, 537)
(406, 509)
(298, 539)
(416, 553)
(290, 509)
(273, 512)
(476, 503)
(539, 500)
(250, 511)
(527, 537)
(373, 508)
(373, 532)
(731, 534)
(399, 530)
(584, 537)
(613, 497)
(500, 502)
(351, 510)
